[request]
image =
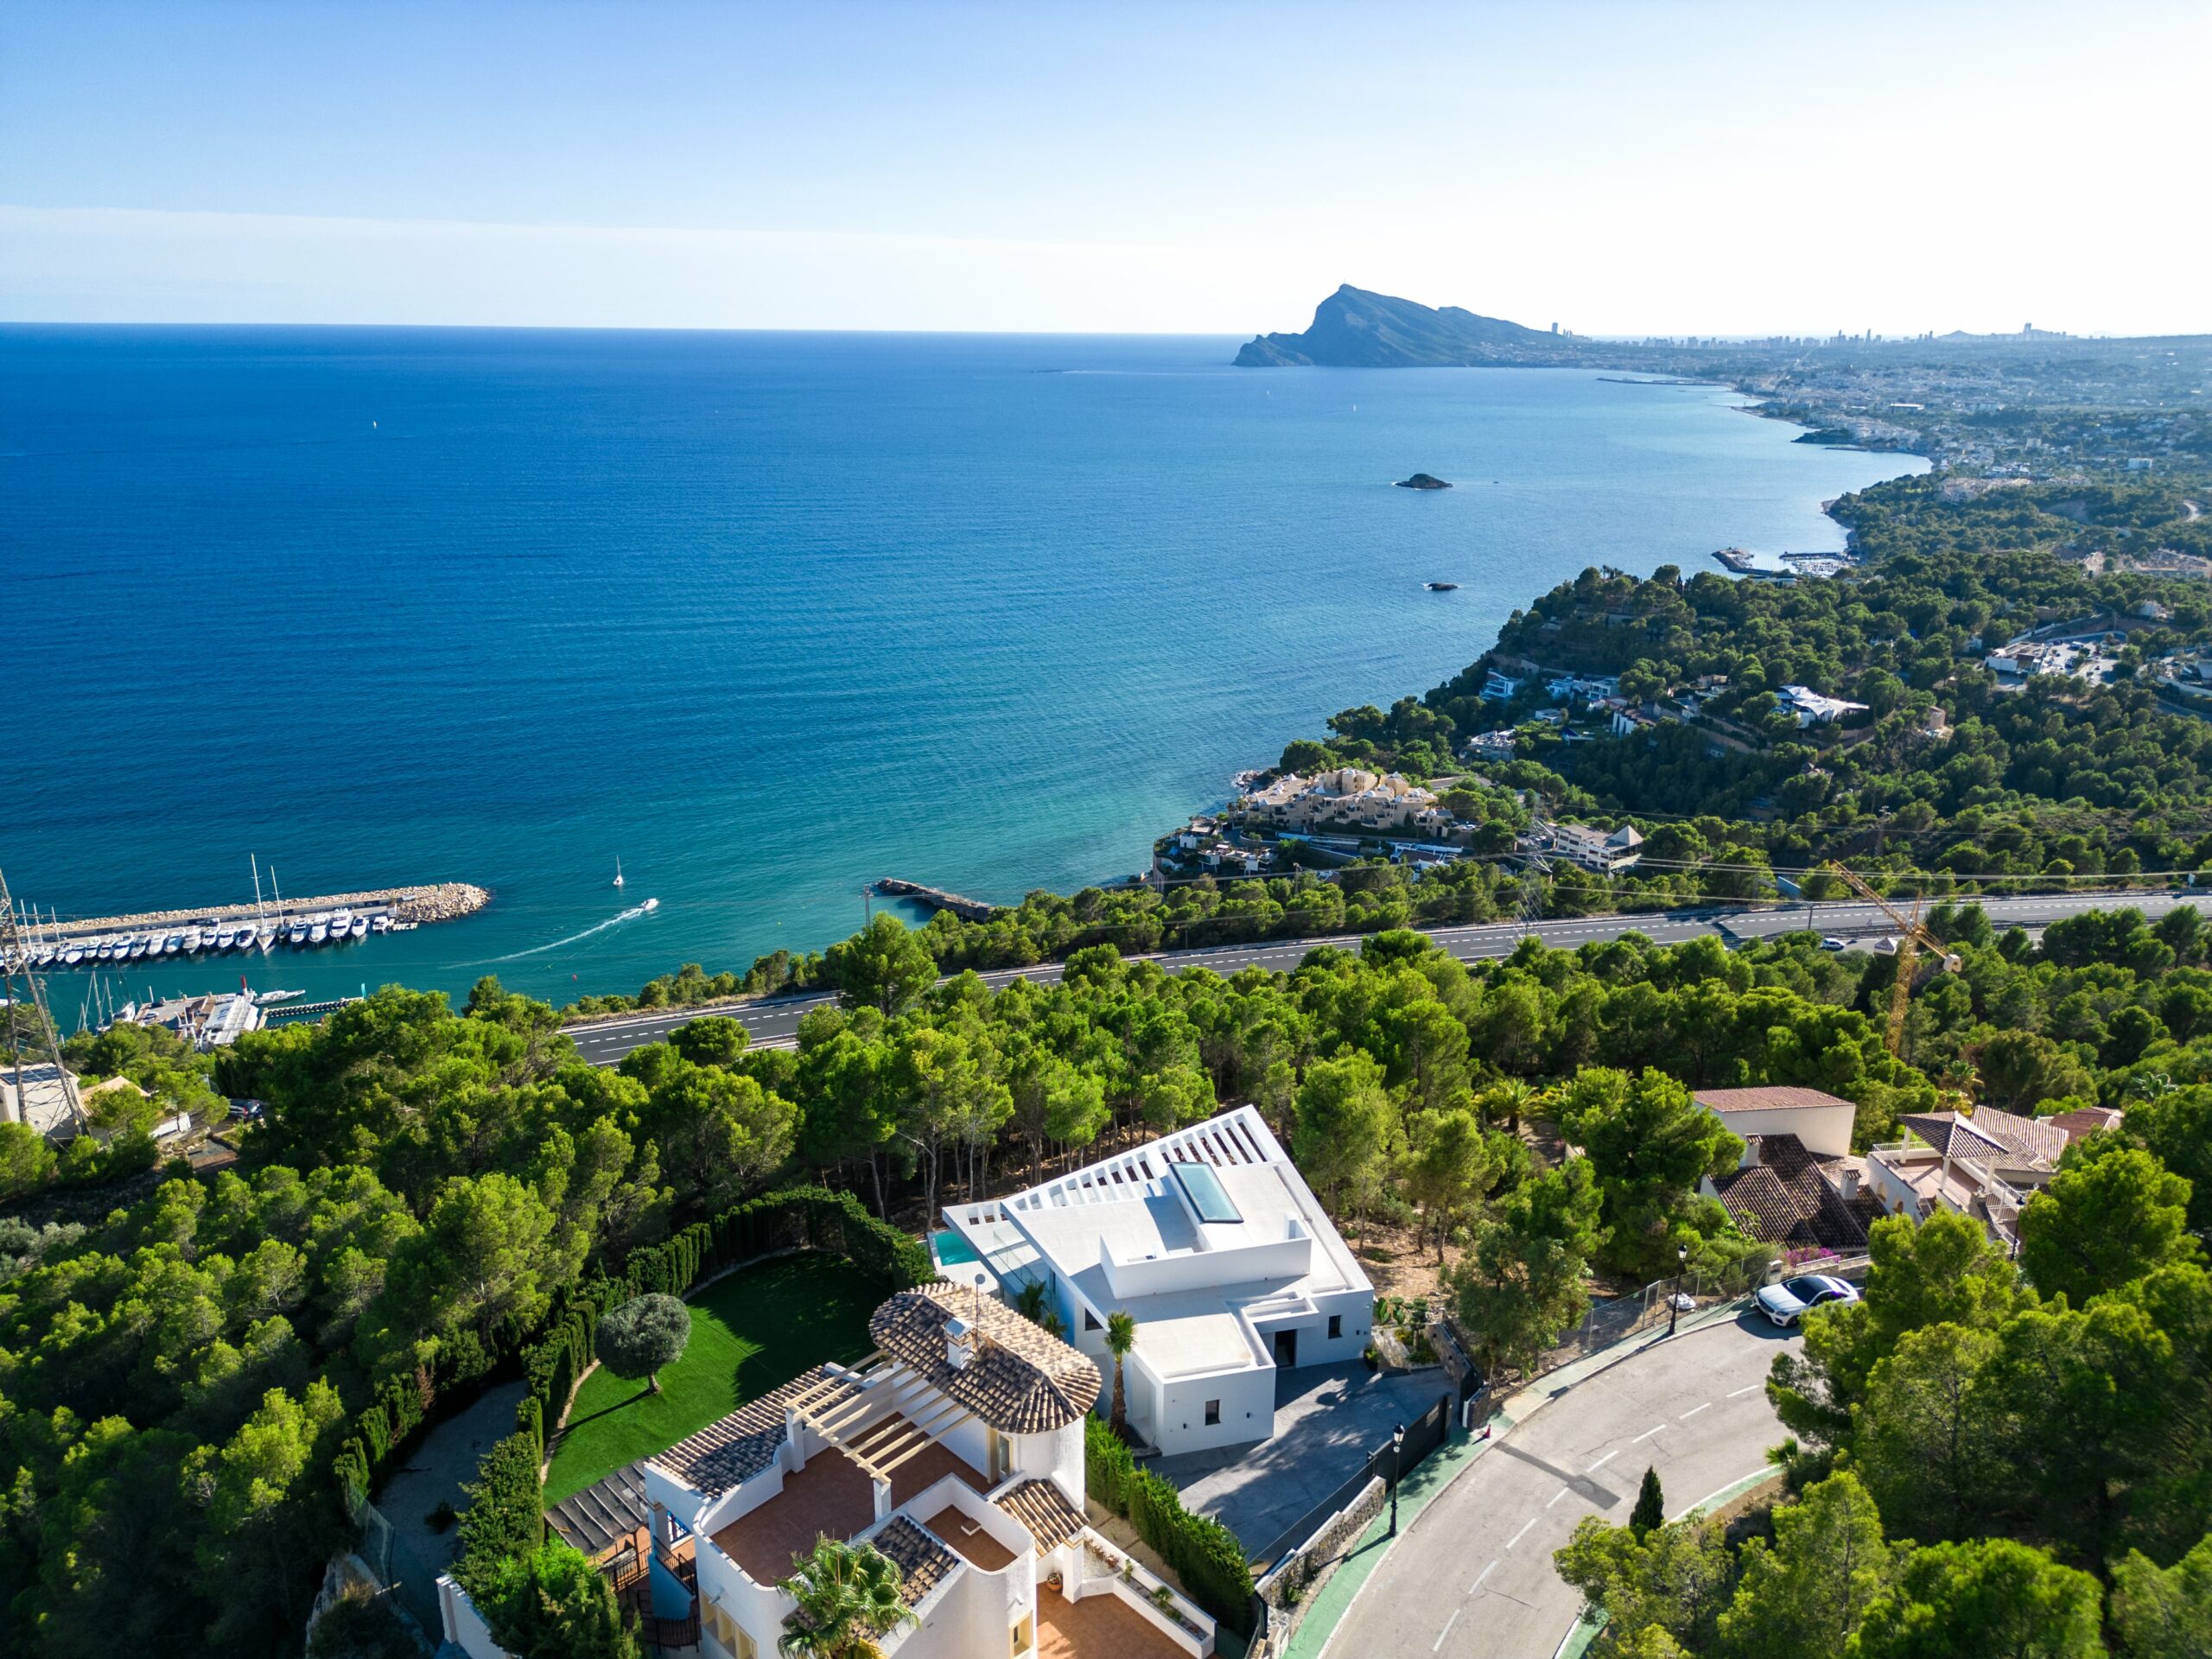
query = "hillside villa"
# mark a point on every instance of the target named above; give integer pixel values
(1212, 1240)
(956, 1449)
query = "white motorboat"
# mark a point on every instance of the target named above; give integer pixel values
(358, 929)
(299, 933)
(73, 955)
(319, 933)
(380, 923)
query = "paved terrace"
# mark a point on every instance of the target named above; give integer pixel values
(829, 1496)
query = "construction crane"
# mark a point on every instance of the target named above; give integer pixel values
(1911, 939)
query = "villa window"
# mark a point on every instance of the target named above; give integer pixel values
(1090, 1320)
(1025, 1634)
(1336, 1325)
(1213, 1413)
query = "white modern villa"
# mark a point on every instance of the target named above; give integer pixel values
(1212, 1240)
(956, 1449)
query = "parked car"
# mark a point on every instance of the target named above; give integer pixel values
(1832, 943)
(1787, 1302)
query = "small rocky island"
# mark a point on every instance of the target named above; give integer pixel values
(1423, 481)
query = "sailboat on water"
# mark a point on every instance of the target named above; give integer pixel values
(618, 870)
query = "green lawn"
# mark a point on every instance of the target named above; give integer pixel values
(751, 1332)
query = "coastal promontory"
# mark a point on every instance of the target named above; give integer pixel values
(1356, 329)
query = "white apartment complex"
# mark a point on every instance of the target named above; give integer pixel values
(1212, 1242)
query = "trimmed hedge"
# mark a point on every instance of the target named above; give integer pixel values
(555, 1355)
(505, 1517)
(1202, 1552)
(776, 1223)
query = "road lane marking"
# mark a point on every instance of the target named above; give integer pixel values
(1648, 1434)
(1445, 1631)
(1480, 1576)
(1693, 1411)
(1603, 1461)
(1523, 1533)
(1556, 1497)
(1740, 1393)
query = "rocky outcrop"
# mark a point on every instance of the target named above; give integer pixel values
(1356, 329)
(1423, 481)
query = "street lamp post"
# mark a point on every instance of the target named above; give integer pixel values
(1397, 1462)
(1674, 1296)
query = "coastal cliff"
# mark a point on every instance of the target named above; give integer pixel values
(1356, 329)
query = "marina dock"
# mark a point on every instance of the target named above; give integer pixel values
(331, 918)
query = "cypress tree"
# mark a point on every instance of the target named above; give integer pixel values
(1650, 1508)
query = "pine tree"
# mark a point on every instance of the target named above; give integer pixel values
(1650, 1508)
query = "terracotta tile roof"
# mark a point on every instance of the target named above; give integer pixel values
(1042, 1507)
(1020, 1381)
(1990, 1136)
(924, 1563)
(726, 1454)
(1774, 1097)
(1786, 1198)
(605, 1514)
(2087, 1122)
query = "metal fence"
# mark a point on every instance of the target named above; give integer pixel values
(1611, 1322)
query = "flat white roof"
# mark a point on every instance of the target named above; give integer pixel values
(1131, 1209)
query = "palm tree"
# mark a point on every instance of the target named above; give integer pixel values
(848, 1595)
(1121, 1337)
(1029, 1302)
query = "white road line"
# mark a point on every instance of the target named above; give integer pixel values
(1523, 1533)
(1693, 1411)
(1445, 1631)
(1480, 1576)
(1556, 1497)
(1648, 1434)
(1740, 1393)
(1603, 1461)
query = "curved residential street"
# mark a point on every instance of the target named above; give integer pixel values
(773, 1022)
(1472, 1575)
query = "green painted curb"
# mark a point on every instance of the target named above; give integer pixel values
(1438, 1469)
(1577, 1641)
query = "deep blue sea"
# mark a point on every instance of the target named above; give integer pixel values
(765, 616)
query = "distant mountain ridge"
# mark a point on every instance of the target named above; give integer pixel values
(1356, 329)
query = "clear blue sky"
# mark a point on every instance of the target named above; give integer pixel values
(1617, 168)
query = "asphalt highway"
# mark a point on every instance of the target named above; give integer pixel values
(1473, 1574)
(773, 1022)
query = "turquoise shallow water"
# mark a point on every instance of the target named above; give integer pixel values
(765, 615)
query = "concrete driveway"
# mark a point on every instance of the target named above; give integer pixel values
(1328, 1420)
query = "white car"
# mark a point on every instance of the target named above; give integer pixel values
(1787, 1302)
(1832, 943)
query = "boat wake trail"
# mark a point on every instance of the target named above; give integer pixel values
(615, 920)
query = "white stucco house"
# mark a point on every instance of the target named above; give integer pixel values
(956, 1449)
(1212, 1240)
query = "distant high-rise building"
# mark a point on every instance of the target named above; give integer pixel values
(1555, 327)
